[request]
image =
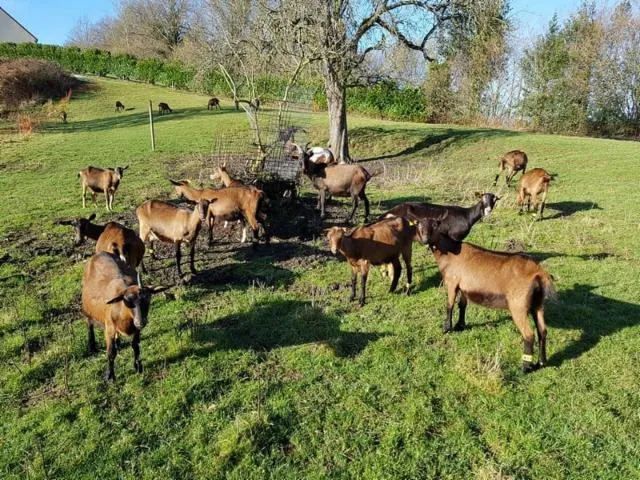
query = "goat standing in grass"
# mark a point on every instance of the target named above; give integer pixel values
(493, 279)
(119, 106)
(376, 244)
(339, 180)
(101, 180)
(113, 299)
(512, 162)
(532, 184)
(213, 103)
(164, 108)
(170, 224)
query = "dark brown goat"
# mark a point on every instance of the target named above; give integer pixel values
(493, 279)
(101, 180)
(512, 162)
(376, 244)
(339, 180)
(170, 224)
(113, 299)
(213, 103)
(119, 106)
(532, 184)
(164, 108)
(112, 237)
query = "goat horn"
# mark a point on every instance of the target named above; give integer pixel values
(139, 280)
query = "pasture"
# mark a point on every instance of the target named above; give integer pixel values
(261, 368)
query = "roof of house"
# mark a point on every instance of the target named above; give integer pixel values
(35, 39)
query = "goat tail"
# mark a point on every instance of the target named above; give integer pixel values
(548, 288)
(370, 175)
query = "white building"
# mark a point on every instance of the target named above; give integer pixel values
(12, 31)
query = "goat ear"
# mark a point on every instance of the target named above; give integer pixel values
(125, 168)
(116, 299)
(64, 222)
(174, 182)
(92, 217)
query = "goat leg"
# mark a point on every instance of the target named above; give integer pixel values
(462, 306)
(212, 219)
(397, 268)
(112, 351)
(84, 195)
(178, 259)
(364, 198)
(322, 198)
(135, 346)
(363, 284)
(542, 336)
(354, 281)
(354, 205)
(452, 290)
(91, 344)
(192, 256)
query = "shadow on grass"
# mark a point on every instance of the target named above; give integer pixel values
(432, 143)
(566, 209)
(132, 120)
(595, 315)
(273, 324)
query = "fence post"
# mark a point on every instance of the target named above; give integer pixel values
(153, 135)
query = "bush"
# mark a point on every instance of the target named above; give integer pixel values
(28, 81)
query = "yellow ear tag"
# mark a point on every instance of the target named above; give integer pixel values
(412, 223)
(527, 358)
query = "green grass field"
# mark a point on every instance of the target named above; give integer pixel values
(265, 370)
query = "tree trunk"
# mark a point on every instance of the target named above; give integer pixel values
(337, 108)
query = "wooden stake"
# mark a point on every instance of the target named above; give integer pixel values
(153, 135)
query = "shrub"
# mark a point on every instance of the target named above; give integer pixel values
(28, 81)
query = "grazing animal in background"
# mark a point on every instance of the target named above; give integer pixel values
(456, 222)
(376, 244)
(170, 224)
(532, 184)
(112, 238)
(338, 180)
(511, 281)
(114, 299)
(213, 103)
(63, 116)
(101, 180)
(245, 204)
(164, 108)
(512, 162)
(119, 106)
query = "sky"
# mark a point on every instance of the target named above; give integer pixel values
(52, 20)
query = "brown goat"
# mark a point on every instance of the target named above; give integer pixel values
(232, 203)
(222, 174)
(339, 180)
(493, 279)
(113, 299)
(170, 224)
(101, 180)
(376, 244)
(213, 103)
(112, 237)
(513, 162)
(532, 184)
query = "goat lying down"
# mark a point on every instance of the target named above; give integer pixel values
(376, 244)
(509, 281)
(111, 237)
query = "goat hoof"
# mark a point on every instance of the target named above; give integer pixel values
(459, 327)
(361, 303)
(446, 329)
(528, 367)
(109, 377)
(137, 366)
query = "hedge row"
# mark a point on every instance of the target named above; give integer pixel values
(386, 100)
